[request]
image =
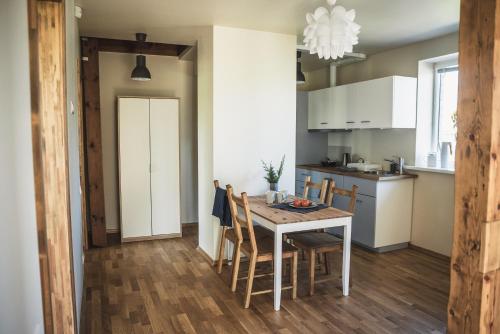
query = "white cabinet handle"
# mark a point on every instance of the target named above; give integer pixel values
(350, 122)
(323, 123)
(365, 121)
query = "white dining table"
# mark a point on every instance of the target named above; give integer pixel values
(282, 221)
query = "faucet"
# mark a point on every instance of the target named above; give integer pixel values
(399, 161)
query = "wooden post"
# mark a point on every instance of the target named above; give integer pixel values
(50, 163)
(82, 155)
(474, 304)
(90, 77)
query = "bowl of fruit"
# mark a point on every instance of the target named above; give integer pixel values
(302, 204)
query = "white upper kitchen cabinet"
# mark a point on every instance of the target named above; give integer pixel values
(384, 103)
(321, 107)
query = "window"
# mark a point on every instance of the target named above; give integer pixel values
(436, 112)
(445, 103)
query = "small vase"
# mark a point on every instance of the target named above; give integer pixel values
(273, 186)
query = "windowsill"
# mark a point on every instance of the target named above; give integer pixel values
(431, 169)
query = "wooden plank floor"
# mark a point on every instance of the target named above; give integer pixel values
(166, 286)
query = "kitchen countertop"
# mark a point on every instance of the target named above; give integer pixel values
(373, 177)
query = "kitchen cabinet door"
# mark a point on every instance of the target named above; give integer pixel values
(338, 114)
(352, 116)
(338, 179)
(342, 203)
(365, 187)
(301, 174)
(363, 221)
(316, 177)
(373, 103)
(319, 108)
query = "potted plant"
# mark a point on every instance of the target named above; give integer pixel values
(272, 174)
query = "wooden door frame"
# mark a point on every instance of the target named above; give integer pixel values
(47, 44)
(90, 48)
(474, 302)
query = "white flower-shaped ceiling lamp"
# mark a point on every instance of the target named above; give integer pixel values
(331, 34)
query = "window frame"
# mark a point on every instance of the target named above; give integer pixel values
(452, 63)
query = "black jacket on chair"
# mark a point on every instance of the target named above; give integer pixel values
(221, 208)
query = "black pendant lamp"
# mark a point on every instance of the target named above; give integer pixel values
(301, 79)
(140, 72)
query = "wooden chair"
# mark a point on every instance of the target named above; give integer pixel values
(257, 250)
(323, 190)
(317, 243)
(322, 187)
(228, 233)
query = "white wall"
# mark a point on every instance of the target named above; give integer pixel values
(72, 54)
(20, 290)
(254, 107)
(253, 117)
(171, 77)
(433, 212)
(206, 225)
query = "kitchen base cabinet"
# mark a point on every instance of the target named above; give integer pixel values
(393, 213)
(363, 222)
(316, 177)
(383, 212)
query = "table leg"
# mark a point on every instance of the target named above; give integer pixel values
(347, 259)
(278, 237)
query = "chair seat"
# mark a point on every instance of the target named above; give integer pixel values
(260, 232)
(265, 249)
(314, 240)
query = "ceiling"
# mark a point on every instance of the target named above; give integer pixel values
(385, 24)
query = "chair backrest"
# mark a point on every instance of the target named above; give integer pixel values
(334, 191)
(241, 221)
(323, 188)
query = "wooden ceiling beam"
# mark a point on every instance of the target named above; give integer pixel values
(145, 48)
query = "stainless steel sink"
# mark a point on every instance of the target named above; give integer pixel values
(381, 173)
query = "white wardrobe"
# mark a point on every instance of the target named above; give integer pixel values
(149, 176)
